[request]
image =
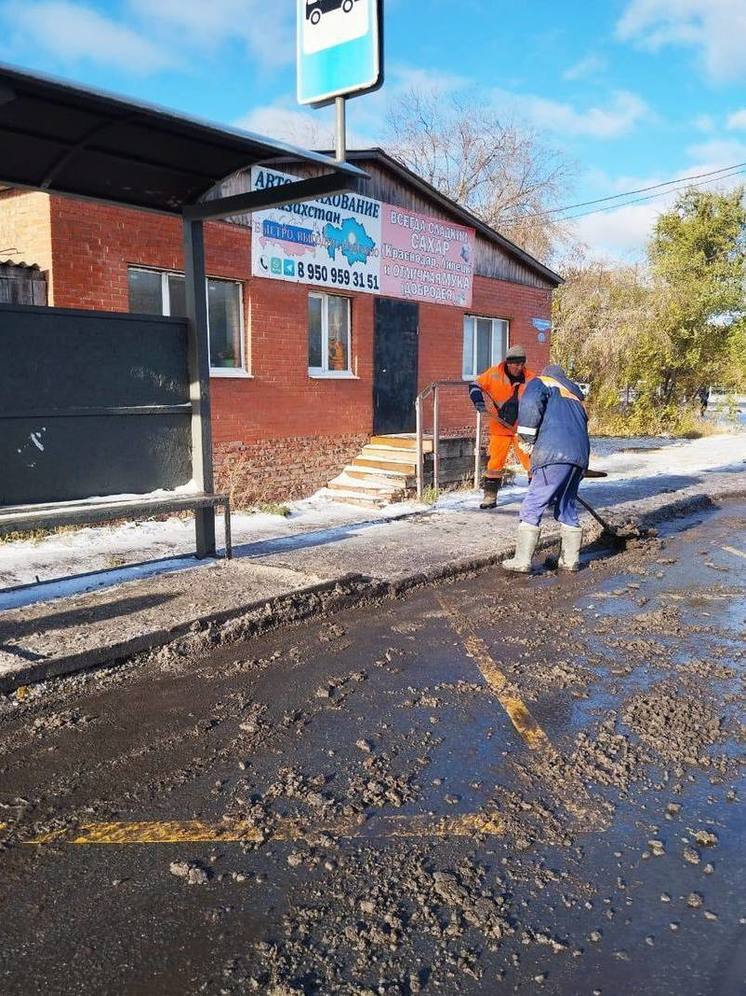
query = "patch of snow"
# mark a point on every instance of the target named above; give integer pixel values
(97, 555)
(82, 583)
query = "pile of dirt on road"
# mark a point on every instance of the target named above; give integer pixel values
(678, 728)
(378, 912)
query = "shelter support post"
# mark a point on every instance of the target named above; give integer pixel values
(199, 379)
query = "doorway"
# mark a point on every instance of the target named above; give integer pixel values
(395, 365)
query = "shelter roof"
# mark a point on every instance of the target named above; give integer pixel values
(66, 139)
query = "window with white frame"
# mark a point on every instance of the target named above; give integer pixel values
(485, 344)
(155, 292)
(329, 336)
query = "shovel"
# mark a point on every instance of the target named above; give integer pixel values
(618, 534)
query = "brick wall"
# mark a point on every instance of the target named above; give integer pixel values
(25, 225)
(94, 244)
(282, 469)
(441, 342)
(286, 433)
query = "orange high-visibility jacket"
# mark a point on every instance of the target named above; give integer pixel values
(496, 383)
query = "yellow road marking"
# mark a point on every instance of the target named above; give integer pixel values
(732, 549)
(571, 792)
(237, 831)
(506, 693)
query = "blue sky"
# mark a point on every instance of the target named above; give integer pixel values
(635, 92)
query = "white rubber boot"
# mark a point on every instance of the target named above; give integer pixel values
(572, 540)
(525, 544)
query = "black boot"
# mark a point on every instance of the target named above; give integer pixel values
(491, 487)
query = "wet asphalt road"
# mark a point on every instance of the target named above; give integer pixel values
(496, 785)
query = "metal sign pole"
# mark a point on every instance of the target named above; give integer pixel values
(341, 129)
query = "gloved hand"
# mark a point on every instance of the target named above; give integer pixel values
(481, 407)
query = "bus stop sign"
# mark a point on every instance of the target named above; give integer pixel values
(340, 49)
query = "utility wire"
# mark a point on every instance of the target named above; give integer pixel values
(716, 173)
(650, 197)
(644, 190)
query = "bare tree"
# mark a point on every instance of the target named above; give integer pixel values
(497, 169)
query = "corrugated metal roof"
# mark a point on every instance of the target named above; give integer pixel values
(65, 139)
(6, 263)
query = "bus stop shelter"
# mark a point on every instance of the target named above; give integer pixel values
(74, 142)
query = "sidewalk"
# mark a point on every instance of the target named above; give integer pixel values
(59, 628)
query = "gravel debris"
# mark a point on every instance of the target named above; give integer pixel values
(191, 871)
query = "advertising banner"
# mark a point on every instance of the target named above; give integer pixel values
(426, 259)
(354, 243)
(333, 242)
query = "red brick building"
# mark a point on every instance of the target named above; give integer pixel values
(302, 374)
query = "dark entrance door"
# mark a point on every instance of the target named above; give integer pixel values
(395, 365)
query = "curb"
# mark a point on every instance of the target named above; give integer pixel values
(204, 633)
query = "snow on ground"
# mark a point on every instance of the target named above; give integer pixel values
(101, 553)
(169, 542)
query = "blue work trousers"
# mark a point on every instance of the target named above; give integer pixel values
(556, 484)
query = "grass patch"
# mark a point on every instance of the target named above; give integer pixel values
(676, 423)
(273, 508)
(36, 536)
(430, 495)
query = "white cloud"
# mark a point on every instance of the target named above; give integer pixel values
(266, 29)
(620, 234)
(705, 123)
(151, 34)
(366, 119)
(716, 28)
(619, 117)
(310, 129)
(589, 66)
(401, 78)
(73, 33)
(737, 120)
(716, 154)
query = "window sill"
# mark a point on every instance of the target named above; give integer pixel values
(332, 375)
(235, 372)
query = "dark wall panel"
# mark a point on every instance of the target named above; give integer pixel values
(91, 404)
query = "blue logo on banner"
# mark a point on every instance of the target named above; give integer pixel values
(351, 240)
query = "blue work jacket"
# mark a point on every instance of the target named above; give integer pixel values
(552, 416)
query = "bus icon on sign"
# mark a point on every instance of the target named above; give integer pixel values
(315, 8)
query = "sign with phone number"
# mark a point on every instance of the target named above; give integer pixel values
(352, 242)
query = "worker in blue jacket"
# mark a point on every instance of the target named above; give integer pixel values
(553, 425)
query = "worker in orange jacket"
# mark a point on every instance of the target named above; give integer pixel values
(503, 384)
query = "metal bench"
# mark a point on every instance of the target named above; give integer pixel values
(26, 518)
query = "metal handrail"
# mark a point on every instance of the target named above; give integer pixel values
(434, 389)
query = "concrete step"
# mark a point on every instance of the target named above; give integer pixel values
(376, 489)
(385, 463)
(356, 498)
(390, 453)
(396, 478)
(403, 441)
